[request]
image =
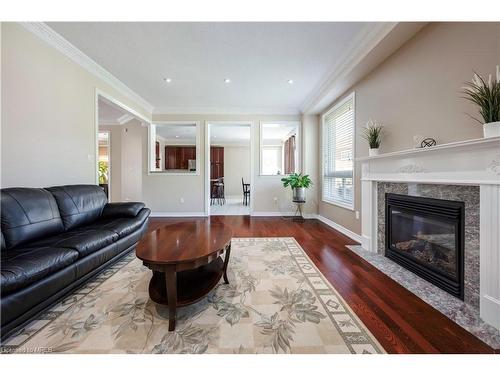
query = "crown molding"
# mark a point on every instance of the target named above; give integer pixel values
(125, 118)
(55, 40)
(365, 41)
(226, 111)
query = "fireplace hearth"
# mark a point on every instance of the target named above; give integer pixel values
(426, 236)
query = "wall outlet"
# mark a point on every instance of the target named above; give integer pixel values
(181, 200)
(357, 215)
(275, 200)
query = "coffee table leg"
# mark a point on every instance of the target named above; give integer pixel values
(226, 261)
(171, 280)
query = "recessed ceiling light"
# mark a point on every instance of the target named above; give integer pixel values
(168, 80)
(176, 136)
(227, 80)
(290, 81)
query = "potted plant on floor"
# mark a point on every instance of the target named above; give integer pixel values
(299, 183)
(487, 96)
(372, 133)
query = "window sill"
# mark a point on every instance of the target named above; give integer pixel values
(164, 173)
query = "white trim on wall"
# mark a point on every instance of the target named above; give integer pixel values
(354, 236)
(100, 93)
(333, 107)
(208, 124)
(198, 149)
(47, 34)
(226, 110)
(298, 150)
(364, 42)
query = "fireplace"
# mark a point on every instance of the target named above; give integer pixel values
(426, 236)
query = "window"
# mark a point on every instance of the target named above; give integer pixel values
(174, 148)
(271, 160)
(338, 146)
(279, 148)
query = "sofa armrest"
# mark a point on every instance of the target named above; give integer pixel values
(122, 209)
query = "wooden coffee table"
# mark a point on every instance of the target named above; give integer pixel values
(186, 262)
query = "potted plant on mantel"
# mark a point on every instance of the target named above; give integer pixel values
(487, 96)
(299, 183)
(372, 133)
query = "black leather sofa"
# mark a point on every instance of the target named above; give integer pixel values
(54, 239)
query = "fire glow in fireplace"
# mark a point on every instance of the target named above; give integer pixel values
(426, 236)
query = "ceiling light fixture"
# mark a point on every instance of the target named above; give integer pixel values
(290, 81)
(227, 80)
(168, 80)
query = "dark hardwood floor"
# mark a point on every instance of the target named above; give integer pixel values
(399, 320)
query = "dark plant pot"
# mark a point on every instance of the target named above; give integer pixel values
(299, 194)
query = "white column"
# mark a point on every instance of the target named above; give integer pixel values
(489, 257)
(368, 210)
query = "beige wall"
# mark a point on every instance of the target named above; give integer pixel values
(163, 193)
(416, 91)
(48, 113)
(126, 160)
(236, 166)
(132, 152)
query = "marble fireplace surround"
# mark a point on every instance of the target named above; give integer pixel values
(469, 170)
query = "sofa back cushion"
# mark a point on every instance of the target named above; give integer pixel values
(28, 214)
(79, 204)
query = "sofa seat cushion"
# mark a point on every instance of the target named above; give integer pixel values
(84, 240)
(125, 225)
(22, 267)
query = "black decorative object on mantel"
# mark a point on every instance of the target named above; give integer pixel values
(428, 142)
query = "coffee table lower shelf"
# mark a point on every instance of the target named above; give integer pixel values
(192, 285)
(180, 288)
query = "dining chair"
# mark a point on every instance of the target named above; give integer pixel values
(246, 192)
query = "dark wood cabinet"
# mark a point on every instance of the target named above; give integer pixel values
(177, 157)
(216, 162)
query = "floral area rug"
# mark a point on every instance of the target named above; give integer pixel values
(277, 302)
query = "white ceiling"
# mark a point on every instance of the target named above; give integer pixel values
(259, 58)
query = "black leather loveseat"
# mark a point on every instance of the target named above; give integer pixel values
(54, 239)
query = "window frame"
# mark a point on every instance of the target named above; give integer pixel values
(298, 151)
(151, 148)
(351, 207)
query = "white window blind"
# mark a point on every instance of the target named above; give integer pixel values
(338, 143)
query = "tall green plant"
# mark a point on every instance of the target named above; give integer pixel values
(372, 133)
(103, 172)
(486, 95)
(297, 180)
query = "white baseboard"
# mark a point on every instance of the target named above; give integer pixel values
(178, 214)
(271, 213)
(356, 237)
(274, 213)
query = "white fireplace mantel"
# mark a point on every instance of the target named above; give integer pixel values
(474, 162)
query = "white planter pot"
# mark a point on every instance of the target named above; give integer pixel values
(373, 152)
(491, 129)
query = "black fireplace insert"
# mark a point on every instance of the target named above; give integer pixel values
(426, 236)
